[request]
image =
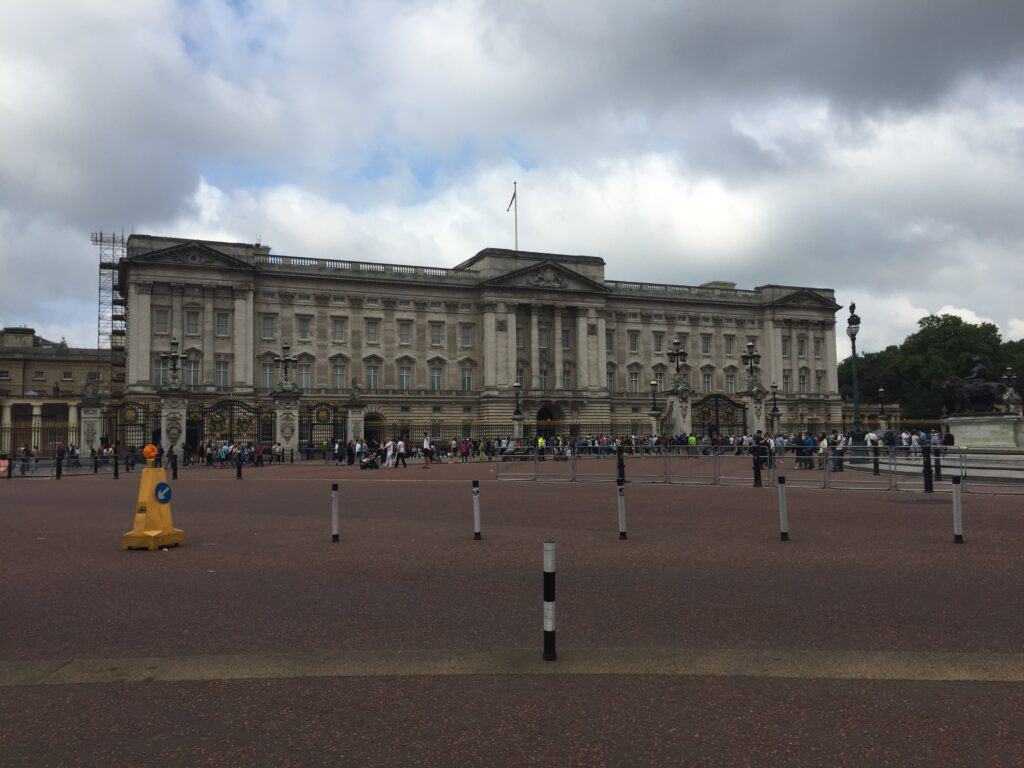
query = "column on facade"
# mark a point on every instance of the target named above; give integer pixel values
(772, 353)
(582, 360)
(239, 337)
(6, 429)
(72, 423)
(490, 347)
(832, 378)
(177, 314)
(250, 338)
(208, 337)
(141, 315)
(534, 349)
(602, 353)
(37, 424)
(557, 342)
(513, 357)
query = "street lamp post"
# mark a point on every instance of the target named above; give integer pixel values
(283, 361)
(1013, 384)
(882, 424)
(517, 412)
(751, 358)
(654, 408)
(174, 359)
(677, 355)
(852, 329)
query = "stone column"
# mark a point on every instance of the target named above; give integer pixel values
(286, 418)
(756, 411)
(209, 343)
(140, 333)
(602, 353)
(240, 341)
(832, 378)
(173, 415)
(6, 429)
(534, 349)
(582, 359)
(72, 436)
(512, 364)
(559, 365)
(490, 347)
(37, 424)
(354, 423)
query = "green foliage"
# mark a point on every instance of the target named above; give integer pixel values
(913, 372)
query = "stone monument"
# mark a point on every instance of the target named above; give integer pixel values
(980, 413)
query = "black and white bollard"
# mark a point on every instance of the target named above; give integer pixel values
(622, 507)
(549, 601)
(958, 512)
(334, 512)
(783, 514)
(476, 510)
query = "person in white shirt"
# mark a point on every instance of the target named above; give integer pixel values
(426, 451)
(389, 449)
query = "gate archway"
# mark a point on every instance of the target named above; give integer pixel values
(233, 421)
(374, 428)
(130, 424)
(717, 415)
(319, 422)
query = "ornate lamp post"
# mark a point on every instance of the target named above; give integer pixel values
(1012, 383)
(677, 355)
(852, 329)
(174, 361)
(283, 361)
(775, 409)
(517, 414)
(654, 408)
(518, 388)
(751, 358)
(881, 408)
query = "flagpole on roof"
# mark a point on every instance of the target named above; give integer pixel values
(515, 202)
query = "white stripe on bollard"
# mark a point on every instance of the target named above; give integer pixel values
(958, 513)
(783, 514)
(622, 507)
(334, 512)
(549, 601)
(476, 510)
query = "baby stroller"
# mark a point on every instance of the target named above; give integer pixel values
(370, 462)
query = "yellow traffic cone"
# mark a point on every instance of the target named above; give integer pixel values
(153, 526)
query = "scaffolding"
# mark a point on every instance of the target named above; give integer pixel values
(112, 310)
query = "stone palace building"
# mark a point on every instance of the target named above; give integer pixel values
(272, 347)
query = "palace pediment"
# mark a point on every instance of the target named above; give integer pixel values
(806, 298)
(546, 276)
(191, 254)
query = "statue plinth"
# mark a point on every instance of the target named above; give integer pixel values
(986, 430)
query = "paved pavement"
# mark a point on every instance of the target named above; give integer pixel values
(868, 639)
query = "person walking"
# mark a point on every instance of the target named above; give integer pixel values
(400, 453)
(427, 457)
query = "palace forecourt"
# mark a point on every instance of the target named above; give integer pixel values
(375, 349)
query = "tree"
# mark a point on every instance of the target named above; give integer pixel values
(913, 372)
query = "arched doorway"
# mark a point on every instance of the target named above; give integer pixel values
(373, 428)
(549, 420)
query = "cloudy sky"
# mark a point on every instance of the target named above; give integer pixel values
(876, 147)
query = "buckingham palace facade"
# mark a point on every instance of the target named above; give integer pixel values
(370, 344)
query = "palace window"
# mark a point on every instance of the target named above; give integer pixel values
(634, 381)
(634, 341)
(609, 381)
(817, 346)
(372, 376)
(801, 346)
(567, 379)
(520, 376)
(659, 340)
(609, 341)
(520, 337)
(730, 383)
(404, 377)
(787, 382)
(543, 378)
(566, 339)
(684, 339)
(659, 378)
(159, 372)
(191, 322)
(221, 323)
(38, 376)
(67, 376)
(466, 336)
(819, 382)
(436, 376)
(192, 372)
(803, 383)
(542, 337)
(338, 328)
(161, 321)
(730, 345)
(304, 324)
(338, 371)
(405, 332)
(372, 331)
(267, 375)
(707, 382)
(223, 373)
(436, 334)
(305, 375)
(705, 344)
(467, 379)
(5, 373)
(785, 346)
(267, 321)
